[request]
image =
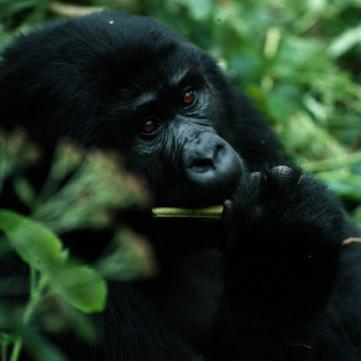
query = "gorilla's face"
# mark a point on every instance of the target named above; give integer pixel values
(174, 109)
(128, 83)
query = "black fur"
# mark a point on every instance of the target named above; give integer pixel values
(276, 283)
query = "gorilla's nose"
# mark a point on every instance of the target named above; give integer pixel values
(210, 162)
(204, 159)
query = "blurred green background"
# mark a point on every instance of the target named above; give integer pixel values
(300, 61)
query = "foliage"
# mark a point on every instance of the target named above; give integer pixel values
(298, 60)
(81, 191)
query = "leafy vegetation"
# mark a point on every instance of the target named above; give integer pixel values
(299, 61)
(80, 192)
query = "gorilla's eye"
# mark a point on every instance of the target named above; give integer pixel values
(189, 97)
(150, 125)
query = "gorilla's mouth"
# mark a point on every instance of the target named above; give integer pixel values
(202, 197)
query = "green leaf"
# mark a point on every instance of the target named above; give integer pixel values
(24, 191)
(200, 10)
(38, 246)
(81, 286)
(128, 258)
(345, 42)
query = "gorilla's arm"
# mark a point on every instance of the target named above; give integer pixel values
(282, 258)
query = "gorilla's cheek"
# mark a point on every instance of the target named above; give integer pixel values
(145, 164)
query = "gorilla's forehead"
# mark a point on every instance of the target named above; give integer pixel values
(131, 52)
(106, 57)
(167, 74)
(128, 42)
(141, 73)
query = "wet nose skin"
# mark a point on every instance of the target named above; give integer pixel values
(211, 163)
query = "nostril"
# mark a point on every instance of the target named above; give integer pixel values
(201, 165)
(217, 149)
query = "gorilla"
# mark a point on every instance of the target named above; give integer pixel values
(272, 281)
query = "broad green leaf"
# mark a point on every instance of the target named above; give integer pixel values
(35, 244)
(81, 286)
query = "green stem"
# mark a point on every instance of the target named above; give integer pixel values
(4, 351)
(35, 298)
(32, 280)
(214, 212)
(36, 289)
(15, 354)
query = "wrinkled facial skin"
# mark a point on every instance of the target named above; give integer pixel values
(187, 164)
(176, 149)
(128, 84)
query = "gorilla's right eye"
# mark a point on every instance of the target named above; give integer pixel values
(150, 125)
(189, 97)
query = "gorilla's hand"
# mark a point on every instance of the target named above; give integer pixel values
(285, 233)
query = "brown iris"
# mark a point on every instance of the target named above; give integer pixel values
(150, 125)
(188, 97)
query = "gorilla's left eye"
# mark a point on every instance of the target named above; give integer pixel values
(189, 97)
